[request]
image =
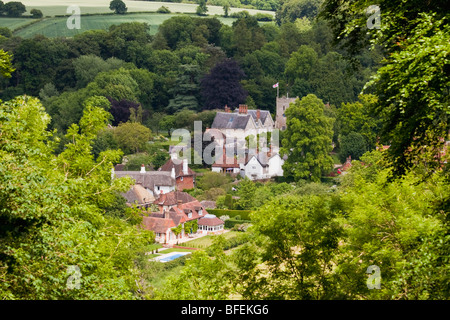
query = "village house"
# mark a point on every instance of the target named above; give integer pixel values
(139, 196)
(152, 183)
(243, 122)
(263, 166)
(179, 208)
(180, 171)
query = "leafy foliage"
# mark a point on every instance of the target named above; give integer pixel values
(221, 86)
(307, 139)
(52, 215)
(132, 136)
(118, 6)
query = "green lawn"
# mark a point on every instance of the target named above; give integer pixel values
(206, 241)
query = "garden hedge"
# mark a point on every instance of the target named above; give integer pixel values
(245, 214)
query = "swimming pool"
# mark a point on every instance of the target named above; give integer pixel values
(171, 256)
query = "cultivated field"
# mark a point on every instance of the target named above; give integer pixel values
(56, 7)
(57, 27)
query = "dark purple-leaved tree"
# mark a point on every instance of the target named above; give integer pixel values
(222, 86)
(121, 110)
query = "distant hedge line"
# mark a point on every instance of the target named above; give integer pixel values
(230, 223)
(244, 214)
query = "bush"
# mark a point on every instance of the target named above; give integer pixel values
(240, 14)
(263, 17)
(353, 145)
(241, 227)
(36, 14)
(243, 214)
(212, 180)
(163, 9)
(212, 194)
(231, 223)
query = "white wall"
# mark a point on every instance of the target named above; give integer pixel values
(275, 166)
(165, 189)
(253, 167)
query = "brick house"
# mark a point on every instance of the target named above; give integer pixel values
(180, 171)
(178, 208)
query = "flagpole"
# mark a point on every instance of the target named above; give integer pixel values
(278, 89)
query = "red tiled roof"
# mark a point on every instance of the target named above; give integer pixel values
(190, 207)
(178, 168)
(158, 225)
(210, 220)
(171, 198)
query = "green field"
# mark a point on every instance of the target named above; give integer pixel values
(57, 26)
(56, 7)
(14, 23)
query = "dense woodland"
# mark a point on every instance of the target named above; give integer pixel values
(307, 239)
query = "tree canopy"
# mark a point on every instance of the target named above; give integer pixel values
(307, 139)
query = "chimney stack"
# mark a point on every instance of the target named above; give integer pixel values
(143, 168)
(179, 203)
(243, 109)
(172, 173)
(185, 166)
(258, 114)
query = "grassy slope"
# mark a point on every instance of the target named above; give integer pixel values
(57, 7)
(57, 27)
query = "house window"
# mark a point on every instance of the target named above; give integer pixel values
(181, 179)
(200, 212)
(190, 215)
(253, 167)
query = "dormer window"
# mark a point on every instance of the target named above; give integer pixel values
(200, 212)
(190, 215)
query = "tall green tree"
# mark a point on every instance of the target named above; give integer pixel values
(14, 8)
(118, 6)
(399, 226)
(291, 10)
(357, 117)
(186, 91)
(296, 239)
(307, 139)
(353, 145)
(202, 9)
(412, 86)
(6, 67)
(131, 137)
(56, 240)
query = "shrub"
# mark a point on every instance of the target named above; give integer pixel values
(244, 214)
(36, 14)
(163, 9)
(231, 223)
(263, 17)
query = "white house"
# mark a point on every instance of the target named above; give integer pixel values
(243, 122)
(261, 166)
(156, 182)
